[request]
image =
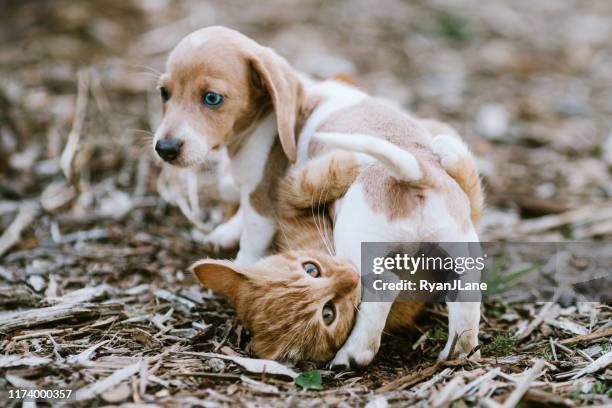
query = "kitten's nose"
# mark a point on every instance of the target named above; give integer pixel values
(354, 277)
(351, 278)
(168, 149)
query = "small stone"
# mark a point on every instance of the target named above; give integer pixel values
(492, 121)
(546, 190)
(116, 204)
(585, 386)
(377, 402)
(36, 282)
(117, 394)
(215, 364)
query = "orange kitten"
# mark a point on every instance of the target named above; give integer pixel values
(299, 305)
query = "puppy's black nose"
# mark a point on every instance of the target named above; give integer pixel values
(168, 149)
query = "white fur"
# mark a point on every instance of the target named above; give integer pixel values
(449, 149)
(228, 190)
(399, 162)
(197, 38)
(227, 235)
(257, 234)
(248, 164)
(247, 168)
(336, 96)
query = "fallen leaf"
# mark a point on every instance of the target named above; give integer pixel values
(309, 380)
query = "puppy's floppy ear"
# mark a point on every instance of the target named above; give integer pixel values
(222, 277)
(285, 90)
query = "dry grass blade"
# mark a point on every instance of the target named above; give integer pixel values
(90, 391)
(12, 234)
(447, 394)
(587, 337)
(522, 387)
(18, 360)
(12, 321)
(67, 158)
(410, 379)
(600, 363)
(253, 365)
(542, 314)
(547, 399)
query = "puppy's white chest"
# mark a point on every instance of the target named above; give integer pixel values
(247, 166)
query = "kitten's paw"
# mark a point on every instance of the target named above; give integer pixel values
(355, 355)
(449, 150)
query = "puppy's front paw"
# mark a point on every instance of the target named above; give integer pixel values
(222, 238)
(355, 354)
(449, 150)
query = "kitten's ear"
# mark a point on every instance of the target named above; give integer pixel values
(222, 277)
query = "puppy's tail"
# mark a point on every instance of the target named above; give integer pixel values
(400, 163)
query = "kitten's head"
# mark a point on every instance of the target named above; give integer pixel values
(298, 305)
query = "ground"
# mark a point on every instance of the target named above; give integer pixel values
(97, 238)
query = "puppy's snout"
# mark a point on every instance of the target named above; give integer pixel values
(169, 149)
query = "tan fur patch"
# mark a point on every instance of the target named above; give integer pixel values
(262, 198)
(322, 180)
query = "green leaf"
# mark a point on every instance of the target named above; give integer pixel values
(309, 380)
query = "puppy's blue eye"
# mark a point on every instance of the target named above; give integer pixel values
(311, 269)
(212, 99)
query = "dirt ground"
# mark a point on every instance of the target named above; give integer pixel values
(97, 236)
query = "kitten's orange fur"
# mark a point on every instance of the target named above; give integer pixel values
(277, 300)
(282, 305)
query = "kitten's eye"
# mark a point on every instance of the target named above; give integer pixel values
(212, 99)
(329, 313)
(165, 95)
(311, 269)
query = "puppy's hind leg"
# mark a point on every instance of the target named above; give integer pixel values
(464, 310)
